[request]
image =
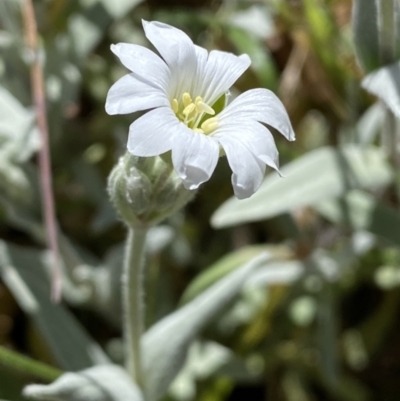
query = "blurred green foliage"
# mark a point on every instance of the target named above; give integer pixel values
(321, 321)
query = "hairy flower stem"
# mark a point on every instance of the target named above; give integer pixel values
(132, 301)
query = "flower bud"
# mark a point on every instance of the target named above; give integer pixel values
(145, 190)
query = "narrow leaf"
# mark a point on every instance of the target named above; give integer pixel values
(385, 84)
(23, 272)
(316, 176)
(101, 383)
(165, 344)
(366, 34)
(362, 212)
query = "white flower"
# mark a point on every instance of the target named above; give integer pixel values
(182, 89)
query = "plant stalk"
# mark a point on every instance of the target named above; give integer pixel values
(132, 301)
(39, 100)
(13, 360)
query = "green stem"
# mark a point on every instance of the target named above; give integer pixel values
(20, 363)
(387, 31)
(132, 301)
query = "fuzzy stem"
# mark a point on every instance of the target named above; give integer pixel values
(27, 366)
(132, 301)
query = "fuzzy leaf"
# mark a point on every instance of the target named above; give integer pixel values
(366, 33)
(101, 383)
(385, 84)
(165, 344)
(362, 212)
(23, 272)
(316, 176)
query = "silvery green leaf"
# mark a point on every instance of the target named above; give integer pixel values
(158, 238)
(118, 9)
(277, 272)
(23, 272)
(18, 136)
(166, 343)
(362, 212)
(205, 359)
(13, 181)
(100, 383)
(255, 20)
(385, 84)
(286, 272)
(366, 33)
(224, 266)
(370, 124)
(316, 176)
(88, 27)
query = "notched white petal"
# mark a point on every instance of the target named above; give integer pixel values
(221, 71)
(195, 157)
(153, 133)
(248, 171)
(254, 136)
(144, 63)
(261, 105)
(178, 51)
(173, 44)
(129, 95)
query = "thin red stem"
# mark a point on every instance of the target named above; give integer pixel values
(39, 99)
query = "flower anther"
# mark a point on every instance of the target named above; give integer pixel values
(192, 113)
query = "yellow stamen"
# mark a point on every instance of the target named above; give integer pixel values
(175, 105)
(198, 130)
(188, 109)
(210, 125)
(205, 108)
(187, 99)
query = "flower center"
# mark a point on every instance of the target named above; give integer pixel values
(194, 113)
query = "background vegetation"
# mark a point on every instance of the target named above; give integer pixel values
(321, 323)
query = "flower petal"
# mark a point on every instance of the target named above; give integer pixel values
(152, 134)
(248, 172)
(178, 50)
(129, 94)
(221, 71)
(143, 63)
(254, 136)
(194, 156)
(261, 105)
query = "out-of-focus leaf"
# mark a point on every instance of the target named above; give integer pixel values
(88, 27)
(322, 29)
(369, 125)
(18, 137)
(316, 176)
(22, 271)
(101, 383)
(385, 84)
(120, 8)
(327, 335)
(225, 266)
(366, 33)
(166, 343)
(362, 212)
(204, 360)
(256, 20)
(261, 62)
(95, 187)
